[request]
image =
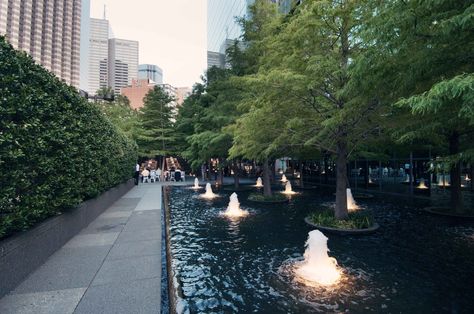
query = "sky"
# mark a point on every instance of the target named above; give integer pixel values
(171, 34)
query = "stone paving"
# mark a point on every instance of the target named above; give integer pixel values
(111, 266)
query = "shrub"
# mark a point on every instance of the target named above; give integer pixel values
(361, 219)
(56, 149)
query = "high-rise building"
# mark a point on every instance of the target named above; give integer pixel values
(150, 71)
(221, 21)
(123, 63)
(98, 55)
(215, 59)
(85, 38)
(50, 31)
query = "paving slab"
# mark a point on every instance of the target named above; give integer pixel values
(112, 266)
(135, 297)
(65, 269)
(134, 249)
(49, 302)
(128, 269)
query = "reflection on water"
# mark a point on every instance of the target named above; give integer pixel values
(246, 265)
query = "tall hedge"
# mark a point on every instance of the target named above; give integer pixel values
(56, 148)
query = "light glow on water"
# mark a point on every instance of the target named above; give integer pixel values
(283, 179)
(288, 189)
(259, 183)
(351, 204)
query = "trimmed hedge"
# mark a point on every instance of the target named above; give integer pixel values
(56, 148)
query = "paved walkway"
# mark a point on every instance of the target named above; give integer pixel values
(112, 266)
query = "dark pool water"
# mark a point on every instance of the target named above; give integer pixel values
(416, 263)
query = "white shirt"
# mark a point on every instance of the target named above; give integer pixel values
(137, 167)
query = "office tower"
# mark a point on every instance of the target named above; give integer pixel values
(123, 63)
(49, 31)
(222, 25)
(98, 55)
(215, 59)
(150, 71)
(85, 37)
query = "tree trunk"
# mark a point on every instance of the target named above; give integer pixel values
(236, 170)
(267, 188)
(455, 173)
(163, 168)
(301, 174)
(341, 181)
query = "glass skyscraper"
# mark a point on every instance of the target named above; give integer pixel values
(150, 71)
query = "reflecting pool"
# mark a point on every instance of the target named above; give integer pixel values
(415, 263)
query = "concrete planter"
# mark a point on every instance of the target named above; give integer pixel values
(24, 252)
(343, 231)
(434, 211)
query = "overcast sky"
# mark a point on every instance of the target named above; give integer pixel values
(171, 34)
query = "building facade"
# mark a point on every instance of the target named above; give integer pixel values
(150, 71)
(98, 55)
(215, 59)
(49, 31)
(85, 38)
(136, 91)
(123, 63)
(181, 94)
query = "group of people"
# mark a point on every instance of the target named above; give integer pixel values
(146, 175)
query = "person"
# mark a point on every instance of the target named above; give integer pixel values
(158, 174)
(145, 174)
(153, 175)
(137, 173)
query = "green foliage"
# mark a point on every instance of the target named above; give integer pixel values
(56, 149)
(356, 220)
(156, 134)
(263, 198)
(122, 116)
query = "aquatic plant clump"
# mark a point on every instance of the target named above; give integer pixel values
(362, 219)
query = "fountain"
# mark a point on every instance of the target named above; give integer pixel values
(259, 183)
(351, 204)
(196, 184)
(407, 178)
(370, 181)
(467, 179)
(209, 194)
(317, 266)
(422, 185)
(233, 209)
(283, 179)
(443, 180)
(288, 189)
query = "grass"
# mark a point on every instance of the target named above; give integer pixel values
(357, 220)
(262, 198)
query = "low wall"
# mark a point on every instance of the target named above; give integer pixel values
(23, 253)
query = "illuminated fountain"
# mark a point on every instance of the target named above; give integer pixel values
(259, 183)
(317, 267)
(422, 185)
(288, 190)
(351, 204)
(407, 178)
(233, 209)
(196, 184)
(443, 180)
(370, 181)
(467, 179)
(209, 194)
(283, 179)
